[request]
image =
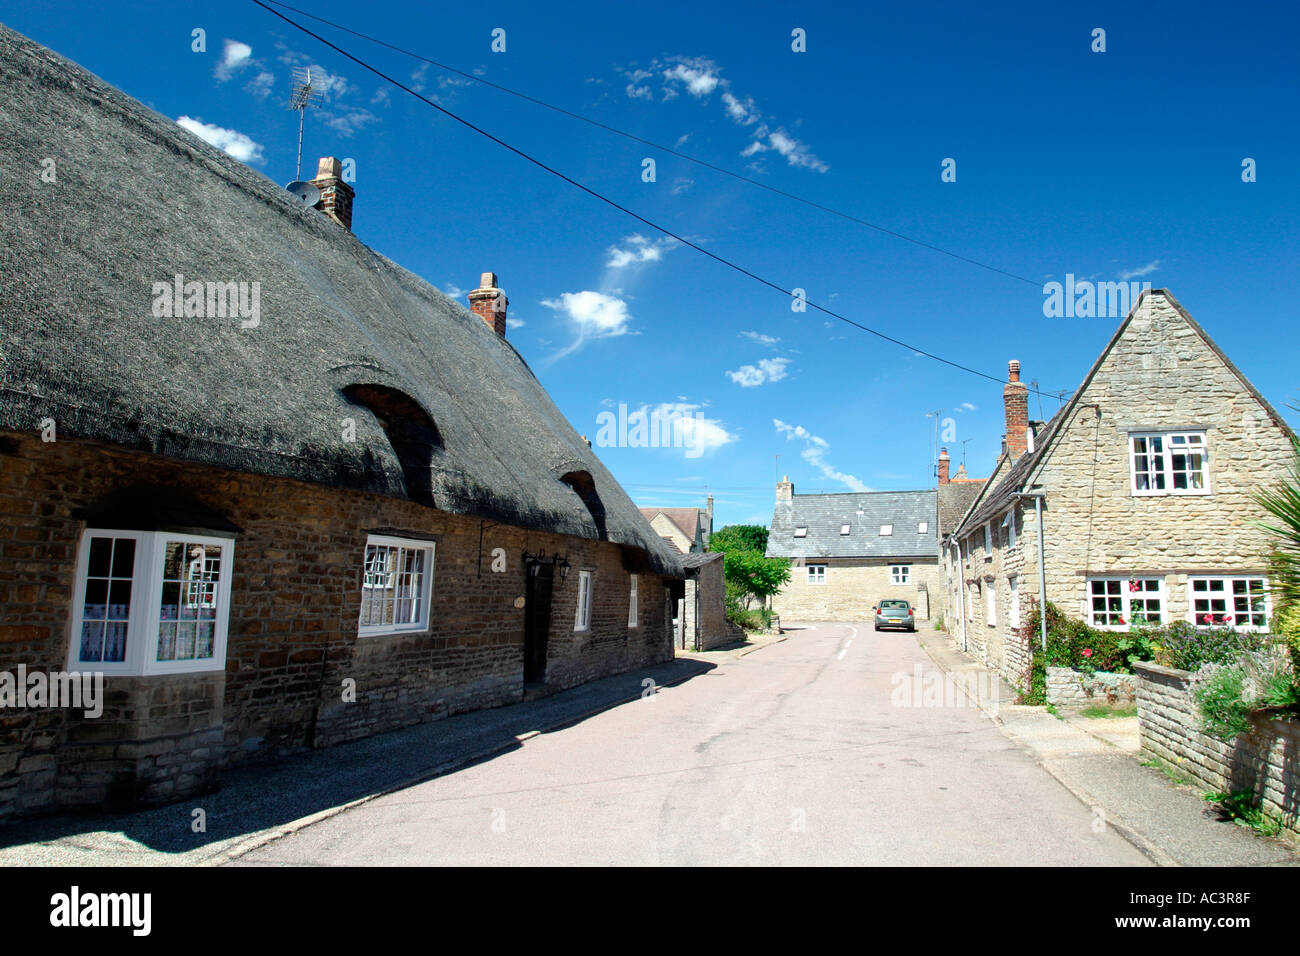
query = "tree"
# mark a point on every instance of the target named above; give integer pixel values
(749, 575)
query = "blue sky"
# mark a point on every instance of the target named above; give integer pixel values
(1123, 164)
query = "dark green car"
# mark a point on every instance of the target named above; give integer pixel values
(895, 613)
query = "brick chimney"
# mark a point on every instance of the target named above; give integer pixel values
(335, 195)
(785, 489)
(1015, 397)
(489, 303)
(944, 463)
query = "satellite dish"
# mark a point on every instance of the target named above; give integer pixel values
(305, 191)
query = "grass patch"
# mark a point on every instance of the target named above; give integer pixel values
(1051, 709)
(1106, 710)
(1173, 773)
(1242, 808)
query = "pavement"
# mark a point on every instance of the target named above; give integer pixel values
(1099, 760)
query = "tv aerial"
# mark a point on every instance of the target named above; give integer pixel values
(303, 97)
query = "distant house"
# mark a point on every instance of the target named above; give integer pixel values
(847, 551)
(1145, 479)
(687, 530)
(344, 507)
(955, 496)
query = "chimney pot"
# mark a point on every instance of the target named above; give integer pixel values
(335, 195)
(1015, 401)
(944, 464)
(784, 490)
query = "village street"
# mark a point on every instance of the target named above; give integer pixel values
(793, 754)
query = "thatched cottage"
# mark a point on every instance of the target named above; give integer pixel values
(278, 490)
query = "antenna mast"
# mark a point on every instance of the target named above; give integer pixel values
(303, 97)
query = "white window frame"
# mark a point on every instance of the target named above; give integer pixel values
(1013, 589)
(801, 531)
(142, 633)
(923, 528)
(817, 574)
(369, 581)
(900, 574)
(886, 530)
(988, 541)
(631, 603)
(844, 529)
(991, 604)
(1166, 456)
(973, 596)
(1009, 522)
(1126, 596)
(582, 614)
(1228, 580)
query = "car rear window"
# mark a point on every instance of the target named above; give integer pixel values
(897, 604)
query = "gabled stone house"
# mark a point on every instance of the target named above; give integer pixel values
(348, 506)
(1145, 480)
(847, 551)
(686, 530)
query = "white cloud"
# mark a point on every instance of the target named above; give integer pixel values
(455, 291)
(260, 85)
(698, 74)
(234, 56)
(681, 184)
(638, 249)
(514, 323)
(779, 141)
(700, 434)
(814, 453)
(1147, 269)
(744, 112)
(761, 339)
(966, 407)
(596, 314)
(229, 141)
(381, 97)
(767, 370)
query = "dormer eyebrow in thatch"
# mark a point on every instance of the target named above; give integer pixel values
(412, 433)
(585, 486)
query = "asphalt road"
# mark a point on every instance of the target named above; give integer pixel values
(799, 753)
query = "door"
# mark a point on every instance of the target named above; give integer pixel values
(537, 620)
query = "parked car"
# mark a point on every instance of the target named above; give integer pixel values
(895, 613)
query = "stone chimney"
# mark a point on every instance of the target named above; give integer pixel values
(784, 489)
(708, 517)
(1015, 398)
(335, 195)
(944, 463)
(489, 303)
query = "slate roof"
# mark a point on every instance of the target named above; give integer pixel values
(139, 200)
(955, 498)
(693, 562)
(823, 516)
(999, 497)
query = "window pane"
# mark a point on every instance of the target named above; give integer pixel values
(115, 641)
(92, 641)
(101, 550)
(123, 557)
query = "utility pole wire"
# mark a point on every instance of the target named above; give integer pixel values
(623, 209)
(653, 145)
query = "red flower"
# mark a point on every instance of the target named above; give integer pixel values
(1087, 652)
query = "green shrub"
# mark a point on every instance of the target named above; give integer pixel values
(1219, 695)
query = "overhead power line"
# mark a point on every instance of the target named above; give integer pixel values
(659, 146)
(623, 209)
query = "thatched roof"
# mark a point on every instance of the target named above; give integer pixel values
(139, 200)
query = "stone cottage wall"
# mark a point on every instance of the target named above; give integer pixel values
(710, 587)
(852, 588)
(1265, 762)
(295, 603)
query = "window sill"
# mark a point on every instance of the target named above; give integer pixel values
(392, 632)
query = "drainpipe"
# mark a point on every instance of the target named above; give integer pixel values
(1042, 573)
(961, 594)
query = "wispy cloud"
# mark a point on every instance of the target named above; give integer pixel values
(594, 315)
(234, 56)
(681, 184)
(638, 249)
(966, 407)
(699, 78)
(815, 451)
(230, 141)
(761, 339)
(1147, 269)
(767, 370)
(335, 108)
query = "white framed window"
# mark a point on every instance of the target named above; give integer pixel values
(816, 574)
(886, 530)
(988, 540)
(1013, 592)
(1120, 601)
(801, 531)
(582, 617)
(844, 529)
(1169, 463)
(923, 528)
(1240, 602)
(973, 602)
(397, 585)
(150, 602)
(991, 604)
(900, 574)
(1009, 522)
(631, 603)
